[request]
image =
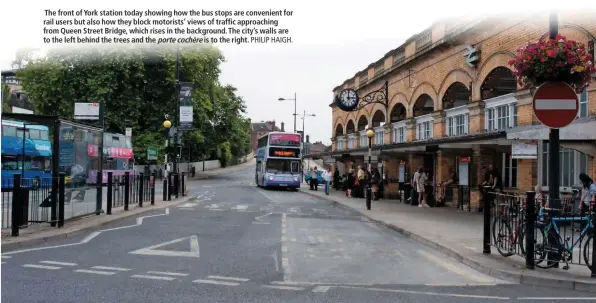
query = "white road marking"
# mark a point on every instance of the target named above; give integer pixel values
(2, 262)
(41, 266)
(152, 251)
(58, 263)
(319, 283)
(460, 284)
(228, 278)
(111, 268)
(139, 221)
(471, 248)
(556, 299)
(285, 262)
(427, 293)
(153, 277)
(321, 289)
(284, 249)
(6, 257)
(216, 282)
(339, 240)
(399, 253)
(167, 273)
(240, 207)
(97, 272)
(312, 239)
(284, 239)
(453, 268)
(283, 287)
(187, 205)
(320, 239)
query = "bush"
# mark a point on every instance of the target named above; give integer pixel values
(226, 154)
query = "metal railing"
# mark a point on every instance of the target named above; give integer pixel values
(129, 190)
(528, 226)
(27, 201)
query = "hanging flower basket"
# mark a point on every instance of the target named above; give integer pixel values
(556, 60)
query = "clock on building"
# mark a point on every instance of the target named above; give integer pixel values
(347, 100)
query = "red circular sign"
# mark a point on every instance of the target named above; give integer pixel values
(555, 104)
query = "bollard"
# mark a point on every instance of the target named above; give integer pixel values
(126, 189)
(54, 201)
(177, 184)
(61, 190)
(141, 184)
(530, 222)
(183, 185)
(152, 180)
(98, 196)
(486, 212)
(109, 197)
(165, 189)
(170, 186)
(460, 198)
(16, 205)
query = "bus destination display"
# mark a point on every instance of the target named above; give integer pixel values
(284, 152)
(284, 139)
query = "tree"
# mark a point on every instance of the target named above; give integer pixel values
(137, 86)
(6, 99)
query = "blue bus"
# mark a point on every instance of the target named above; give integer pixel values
(278, 160)
(36, 162)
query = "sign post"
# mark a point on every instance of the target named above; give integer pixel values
(555, 105)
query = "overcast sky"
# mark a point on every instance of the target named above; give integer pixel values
(332, 41)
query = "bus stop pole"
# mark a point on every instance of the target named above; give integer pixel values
(99, 197)
(55, 165)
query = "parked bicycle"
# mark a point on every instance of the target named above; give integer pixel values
(505, 237)
(559, 250)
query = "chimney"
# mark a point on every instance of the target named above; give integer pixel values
(282, 127)
(270, 125)
(307, 139)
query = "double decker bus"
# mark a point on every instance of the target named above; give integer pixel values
(31, 158)
(79, 155)
(278, 160)
(118, 157)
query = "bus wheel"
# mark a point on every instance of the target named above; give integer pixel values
(36, 183)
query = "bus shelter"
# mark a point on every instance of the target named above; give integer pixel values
(74, 151)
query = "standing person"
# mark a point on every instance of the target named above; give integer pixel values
(360, 177)
(350, 182)
(315, 178)
(310, 175)
(414, 193)
(374, 180)
(327, 178)
(336, 179)
(423, 177)
(588, 195)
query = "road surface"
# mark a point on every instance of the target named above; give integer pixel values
(235, 242)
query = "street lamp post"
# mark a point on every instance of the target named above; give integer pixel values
(370, 134)
(286, 99)
(304, 115)
(166, 124)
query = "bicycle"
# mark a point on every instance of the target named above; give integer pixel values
(562, 250)
(503, 235)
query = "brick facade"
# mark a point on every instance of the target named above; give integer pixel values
(442, 66)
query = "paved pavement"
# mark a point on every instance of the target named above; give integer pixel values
(459, 234)
(235, 242)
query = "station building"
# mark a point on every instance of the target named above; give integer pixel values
(455, 104)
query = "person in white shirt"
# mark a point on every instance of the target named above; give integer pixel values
(327, 177)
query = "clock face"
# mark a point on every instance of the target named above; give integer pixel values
(348, 99)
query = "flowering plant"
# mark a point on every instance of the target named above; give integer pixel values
(556, 59)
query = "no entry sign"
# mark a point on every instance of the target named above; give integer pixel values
(555, 104)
